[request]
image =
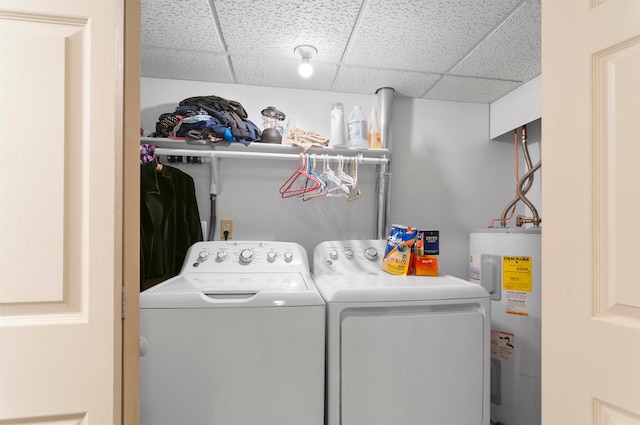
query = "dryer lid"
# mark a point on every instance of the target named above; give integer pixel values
(360, 287)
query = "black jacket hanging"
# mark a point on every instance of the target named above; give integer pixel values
(169, 222)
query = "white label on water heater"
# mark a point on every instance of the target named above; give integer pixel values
(502, 344)
(517, 303)
(474, 267)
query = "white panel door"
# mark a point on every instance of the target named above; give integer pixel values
(591, 238)
(60, 211)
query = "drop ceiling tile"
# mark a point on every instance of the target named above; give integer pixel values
(185, 65)
(275, 72)
(426, 36)
(367, 81)
(473, 90)
(513, 52)
(363, 44)
(179, 24)
(276, 27)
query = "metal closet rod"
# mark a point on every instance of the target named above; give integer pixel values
(259, 155)
(214, 184)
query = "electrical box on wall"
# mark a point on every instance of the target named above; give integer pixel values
(226, 227)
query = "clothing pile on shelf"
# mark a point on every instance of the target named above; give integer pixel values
(208, 120)
(169, 218)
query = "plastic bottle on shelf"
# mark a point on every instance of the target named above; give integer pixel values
(374, 131)
(291, 124)
(357, 129)
(337, 138)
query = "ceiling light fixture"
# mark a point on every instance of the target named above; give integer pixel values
(306, 52)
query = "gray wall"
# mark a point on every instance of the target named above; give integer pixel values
(447, 174)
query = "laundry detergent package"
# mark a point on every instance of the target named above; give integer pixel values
(431, 242)
(424, 260)
(395, 237)
(397, 258)
(425, 265)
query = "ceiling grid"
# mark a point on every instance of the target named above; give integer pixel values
(456, 50)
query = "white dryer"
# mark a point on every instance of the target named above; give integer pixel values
(237, 338)
(401, 350)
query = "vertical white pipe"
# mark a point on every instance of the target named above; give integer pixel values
(385, 108)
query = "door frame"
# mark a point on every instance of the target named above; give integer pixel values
(130, 392)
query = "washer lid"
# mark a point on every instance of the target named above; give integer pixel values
(233, 282)
(206, 290)
(360, 287)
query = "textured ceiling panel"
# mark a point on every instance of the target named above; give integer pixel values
(474, 90)
(409, 45)
(273, 72)
(179, 24)
(514, 50)
(184, 65)
(362, 80)
(426, 36)
(276, 27)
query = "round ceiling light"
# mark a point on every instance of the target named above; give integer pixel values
(306, 52)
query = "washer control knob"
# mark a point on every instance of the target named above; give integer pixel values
(271, 256)
(203, 256)
(370, 253)
(333, 254)
(348, 253)
(288, 256)
(221, 256)
(246, 256)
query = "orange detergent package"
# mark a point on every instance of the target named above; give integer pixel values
(416, 249)
(397, 257)
(421, 264)
(426, 265)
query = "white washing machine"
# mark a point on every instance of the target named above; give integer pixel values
(237, 338)
(401, 350)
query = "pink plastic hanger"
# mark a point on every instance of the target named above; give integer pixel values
(301, 181)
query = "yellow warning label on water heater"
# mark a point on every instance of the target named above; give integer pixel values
(516, 273)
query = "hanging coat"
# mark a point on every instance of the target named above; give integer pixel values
(169, 222)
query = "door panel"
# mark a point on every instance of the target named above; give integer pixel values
(414, 365)
(617, 110)
(49, 183)
(60, 219)
(590, 295)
